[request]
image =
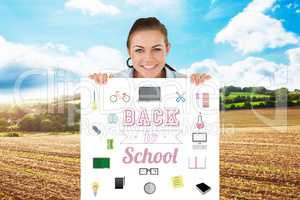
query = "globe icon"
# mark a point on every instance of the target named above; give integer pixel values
(112, 118)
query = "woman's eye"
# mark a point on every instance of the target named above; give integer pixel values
(157, 49)
(138, 50)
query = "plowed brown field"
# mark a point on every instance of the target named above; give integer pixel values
(260, 159)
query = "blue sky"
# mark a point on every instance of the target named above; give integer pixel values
(240, 42)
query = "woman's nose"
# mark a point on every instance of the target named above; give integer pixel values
(148, 58)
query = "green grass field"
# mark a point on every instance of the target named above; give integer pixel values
(232, 95)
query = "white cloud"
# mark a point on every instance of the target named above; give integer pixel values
(212, 2)
(289, 6)
(157, 5)
(215, 13)
(294, 7)
(254, 71)
(294, 67)
(50, 56)
(294, 56)
(275, 7)
(151, 2)
(253, 31)
(92, 7)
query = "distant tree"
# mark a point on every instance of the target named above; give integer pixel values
(16, 112)
(74, 127)
(281, 97)
(3, 124)
(30, 122)
(233, 88)
(260, 90)
(247, 105)
(293, 96)
(261, 105)
(226, 92)
(47, 125)
(270, 104)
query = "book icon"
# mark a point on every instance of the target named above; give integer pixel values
(119, 182)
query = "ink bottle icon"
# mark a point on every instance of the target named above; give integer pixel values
(200, 123)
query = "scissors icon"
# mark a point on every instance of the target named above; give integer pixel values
(180, 97)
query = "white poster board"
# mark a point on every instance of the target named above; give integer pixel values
(149, 139)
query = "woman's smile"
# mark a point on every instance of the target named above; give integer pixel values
(149, 67)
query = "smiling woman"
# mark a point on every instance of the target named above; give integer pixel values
(148, 47)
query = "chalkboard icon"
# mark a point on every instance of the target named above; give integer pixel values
(101, 163)
(149, 94)
(203, 188)
(119, 182)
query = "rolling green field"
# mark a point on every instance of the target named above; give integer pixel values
(232, 95)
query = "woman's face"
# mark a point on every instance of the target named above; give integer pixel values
(148, 52)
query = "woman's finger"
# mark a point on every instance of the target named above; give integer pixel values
(207, 77)
(193, 78)
(104, 78)
(92, 76)
(198, 77)
(98, 78)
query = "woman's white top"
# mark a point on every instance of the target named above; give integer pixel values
(128, 73)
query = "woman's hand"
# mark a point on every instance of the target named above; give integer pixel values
(199, 78)
(100, 78)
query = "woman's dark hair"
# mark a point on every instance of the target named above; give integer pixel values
(149, 23)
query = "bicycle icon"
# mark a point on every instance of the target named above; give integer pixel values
(118, 96)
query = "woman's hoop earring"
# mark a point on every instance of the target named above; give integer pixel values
(127, 62)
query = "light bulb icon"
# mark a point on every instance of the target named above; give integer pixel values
(95, 187)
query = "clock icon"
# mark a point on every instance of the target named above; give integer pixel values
(149, 188)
